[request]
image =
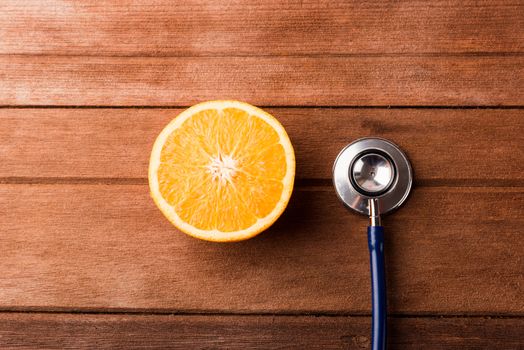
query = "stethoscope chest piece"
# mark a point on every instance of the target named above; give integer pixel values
(372, 168)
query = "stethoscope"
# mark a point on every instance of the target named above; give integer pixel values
(373, 176)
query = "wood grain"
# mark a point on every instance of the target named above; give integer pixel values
(69, 331)
(268, 81)
(116, 143)
(259, 28)
(449, 251)
(78, 232)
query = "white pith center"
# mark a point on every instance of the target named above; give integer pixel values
(222, 168)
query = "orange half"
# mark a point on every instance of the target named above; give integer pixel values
(222, 171)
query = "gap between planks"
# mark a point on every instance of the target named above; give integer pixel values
(312, 55)
(295, 313)
(387, 107)
(302, 183)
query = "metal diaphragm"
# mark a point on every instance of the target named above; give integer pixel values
(372, 168)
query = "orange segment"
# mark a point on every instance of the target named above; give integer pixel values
(222, 170)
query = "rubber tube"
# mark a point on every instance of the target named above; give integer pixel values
(378, 287)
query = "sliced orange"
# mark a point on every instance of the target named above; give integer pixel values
(222, 171)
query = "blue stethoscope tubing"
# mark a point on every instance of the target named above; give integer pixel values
(378, 287)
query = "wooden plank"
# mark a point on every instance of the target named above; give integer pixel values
(449, 251)
(73, 331)
(259, 28)
(115, 143)
(269, 81)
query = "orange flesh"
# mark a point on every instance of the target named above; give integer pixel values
(222, 170)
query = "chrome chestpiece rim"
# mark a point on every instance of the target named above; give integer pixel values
(372, 168)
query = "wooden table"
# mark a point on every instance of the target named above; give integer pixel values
(87, 261)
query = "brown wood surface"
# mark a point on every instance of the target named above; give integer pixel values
(259, 27)
(116, 143)
(268, 81)
(79, 234)
(107, 246)
(70, 331)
